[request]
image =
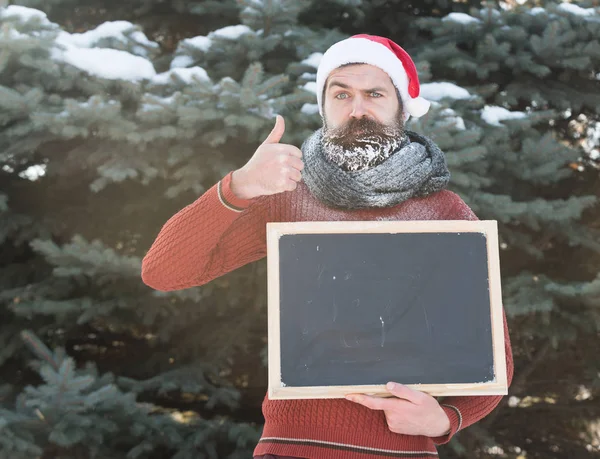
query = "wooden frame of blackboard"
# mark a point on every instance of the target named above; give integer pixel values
(278, 390)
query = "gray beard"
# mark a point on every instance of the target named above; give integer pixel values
(365, 153)
(361, 144)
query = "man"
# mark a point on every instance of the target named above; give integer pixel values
(362, 165)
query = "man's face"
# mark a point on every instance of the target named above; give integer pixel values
(362, 117)
(359, 91)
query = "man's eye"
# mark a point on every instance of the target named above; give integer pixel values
(375, 94)
(341, 95)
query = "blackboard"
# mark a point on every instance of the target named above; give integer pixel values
(353, 305)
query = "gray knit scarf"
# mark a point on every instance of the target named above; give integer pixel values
(416, 168)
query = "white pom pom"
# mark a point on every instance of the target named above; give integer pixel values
(417, 107)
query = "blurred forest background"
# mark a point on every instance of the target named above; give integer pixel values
(116, 114)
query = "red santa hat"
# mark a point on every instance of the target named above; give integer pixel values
(380, 52)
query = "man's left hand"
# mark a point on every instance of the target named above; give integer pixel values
(408, 412)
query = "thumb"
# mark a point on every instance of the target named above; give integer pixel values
(406, 393)
(277, 132)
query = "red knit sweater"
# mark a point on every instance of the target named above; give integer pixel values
(219, 232)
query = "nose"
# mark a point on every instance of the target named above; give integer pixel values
(358, 108)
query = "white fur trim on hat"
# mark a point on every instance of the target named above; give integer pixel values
(365, 51)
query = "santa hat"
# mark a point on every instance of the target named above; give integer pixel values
(380, 52)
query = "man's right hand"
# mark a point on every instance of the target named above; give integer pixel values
(274, 168)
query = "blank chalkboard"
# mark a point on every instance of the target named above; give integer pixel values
(353, 305)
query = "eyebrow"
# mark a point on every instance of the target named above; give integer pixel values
(345, 86)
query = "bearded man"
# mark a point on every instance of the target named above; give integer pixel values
(361, 165)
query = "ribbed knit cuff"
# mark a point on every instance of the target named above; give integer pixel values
(228, 198)
(455, 417)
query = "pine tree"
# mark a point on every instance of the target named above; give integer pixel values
(513, 89)
(82, 413)
(87, 125)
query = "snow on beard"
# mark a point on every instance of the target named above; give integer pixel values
(361, 143)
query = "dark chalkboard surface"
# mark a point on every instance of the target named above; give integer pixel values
(357, 304)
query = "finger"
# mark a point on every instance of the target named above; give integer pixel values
(291, 185)
(295, 175)
(289, 150)
(406, 393)
(296, 163)
(374, 403)
(294, 151)
(277, 131)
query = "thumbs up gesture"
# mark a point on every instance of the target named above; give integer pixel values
(274, 168)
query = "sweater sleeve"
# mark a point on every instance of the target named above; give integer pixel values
(466, 410)
(212, 236)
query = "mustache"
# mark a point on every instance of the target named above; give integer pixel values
(359, 126)
(361, 132)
